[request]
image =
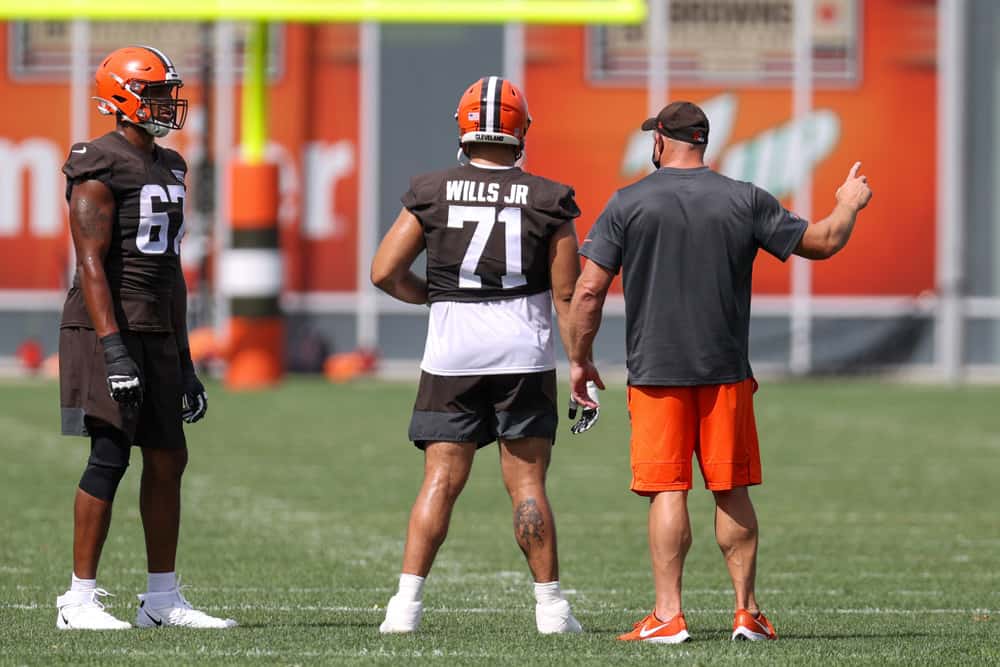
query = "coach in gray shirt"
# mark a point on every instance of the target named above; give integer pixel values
(685, 238)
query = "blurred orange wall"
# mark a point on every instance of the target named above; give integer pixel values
(581, 129)
(313, 112)
(580, 135)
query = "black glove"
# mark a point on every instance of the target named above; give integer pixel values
(194, 403)
(124, 380)
(589, 416)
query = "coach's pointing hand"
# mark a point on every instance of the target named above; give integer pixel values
(855, 192)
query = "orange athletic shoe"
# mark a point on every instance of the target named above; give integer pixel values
(748, 627)
(652, 629)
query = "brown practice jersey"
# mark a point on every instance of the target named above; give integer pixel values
(487, 231)
(143, 260)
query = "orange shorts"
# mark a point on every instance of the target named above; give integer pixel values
(714, 422)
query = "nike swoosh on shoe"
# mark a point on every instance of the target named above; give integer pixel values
(646, 632)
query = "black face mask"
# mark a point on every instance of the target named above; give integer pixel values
(655, 160)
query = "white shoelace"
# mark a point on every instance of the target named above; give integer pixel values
(94, 601)
(180, 595)
(187, 613)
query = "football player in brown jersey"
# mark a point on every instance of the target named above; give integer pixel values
(126, 375)
(501, 250)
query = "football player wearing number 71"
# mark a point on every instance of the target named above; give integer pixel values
(501, 250)
(125, 371)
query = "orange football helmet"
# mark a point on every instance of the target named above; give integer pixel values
(141, 84)
(493, 110)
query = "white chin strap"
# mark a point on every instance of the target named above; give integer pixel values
(156, 130)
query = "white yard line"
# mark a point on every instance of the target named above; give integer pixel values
(203, 652)
(872, 611)
(570, 592)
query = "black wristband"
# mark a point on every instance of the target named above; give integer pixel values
(114, 348)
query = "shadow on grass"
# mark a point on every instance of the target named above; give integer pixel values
(311, 624)
(713, 637)
(858, 635)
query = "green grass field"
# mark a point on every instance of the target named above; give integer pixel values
(879, 515)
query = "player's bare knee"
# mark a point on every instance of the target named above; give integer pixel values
(450, 490)
(737, 498)
(108, 462)
(443, 486)
(523, 489)
(166, 465)
(520, 480)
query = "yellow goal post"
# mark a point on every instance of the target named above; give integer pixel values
(346, 11)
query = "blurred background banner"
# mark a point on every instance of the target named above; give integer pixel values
(746, 90)
(796, 91)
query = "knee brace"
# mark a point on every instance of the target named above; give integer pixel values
(109, 456)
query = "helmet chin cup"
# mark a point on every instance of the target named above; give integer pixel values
(462, 157)
(154, 129)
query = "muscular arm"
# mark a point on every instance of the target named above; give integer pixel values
(584, 321)
(91, 220)
(179, 311)
(585, 310)
(391, 267)
(564, 270)
(826, 238)
(195, 402)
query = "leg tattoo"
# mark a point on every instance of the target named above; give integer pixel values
(529, 526)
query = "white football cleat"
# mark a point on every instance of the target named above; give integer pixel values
(81, 610)
(401, 616)
(556, 618)
(161, 610)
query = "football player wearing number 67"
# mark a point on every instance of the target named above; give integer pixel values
(125, 371)
(501, 250)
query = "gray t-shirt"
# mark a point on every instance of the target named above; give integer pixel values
(685, 241)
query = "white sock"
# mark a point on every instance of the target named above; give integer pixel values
(161, 582)
(548, 593)
(411, 587)
(82, 585)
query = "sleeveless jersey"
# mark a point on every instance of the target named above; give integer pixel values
(143, 260)
(487, 233)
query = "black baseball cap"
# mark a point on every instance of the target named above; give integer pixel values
(683, 121)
